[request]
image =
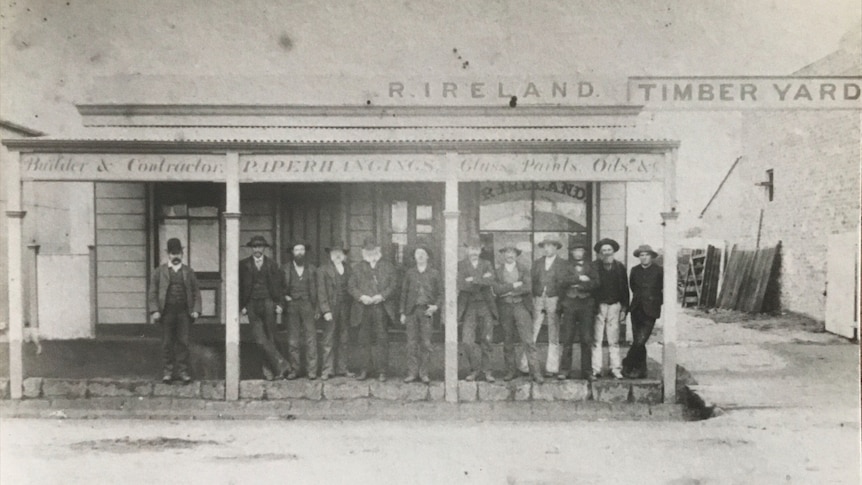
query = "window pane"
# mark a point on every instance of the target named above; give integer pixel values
(203, 211)
(505, 206)
(561, 207)
(176, 210)
(424, 228)
(495, 241)
(204, 245)
(169, 228)
(399, 216)
(424, 212)
(208, 303)
(399, 242)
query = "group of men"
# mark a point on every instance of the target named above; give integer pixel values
(575, 297)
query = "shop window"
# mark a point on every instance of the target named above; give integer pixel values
(524, 213)
(190, 212)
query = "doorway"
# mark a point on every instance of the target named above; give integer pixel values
(411, 216)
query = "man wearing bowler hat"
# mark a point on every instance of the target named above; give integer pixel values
(175, 299)
(300, 296)
(260, 297)
(334, 304)
(578, 311)
(373, 284)
(477, 309)
(513, 288)
(421, 298)
(612, 296)
(548, 273)
(646, 281)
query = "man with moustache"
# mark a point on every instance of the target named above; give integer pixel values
(612, 296)
(477, 310)
(334, 304)
(548, 273)
(175, 298)
(421, 298)
(578, 312)
(513, 288)
(372, 284)
(300, 296)
(646, 281)
(260, 297)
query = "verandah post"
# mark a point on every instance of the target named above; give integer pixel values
(450, 275)
(669, 314)
(231, 216)
(14, 221)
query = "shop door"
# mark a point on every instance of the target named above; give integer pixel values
(310, 213)
(412, 217)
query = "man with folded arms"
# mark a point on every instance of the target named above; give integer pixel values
(477, 310)
(513, 287)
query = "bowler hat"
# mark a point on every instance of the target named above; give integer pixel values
(343, 247)
(610, 242)
(645, 248)
(551, 240)
(258, 241)
(579, 243)
(370, 243)
(175, 246)
(512, 247)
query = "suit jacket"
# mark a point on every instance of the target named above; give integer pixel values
(573, 274)
(647, 289)
(525, 291)
(483, 280)
(246, 277)
(329, 295)
(158, 291)
(558, 273)
(361, 283)
(410, 289)
(619, 281)
(309, 277)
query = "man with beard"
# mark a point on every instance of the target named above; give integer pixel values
(578, 312)
(334, 303)
(612, 296)
(421, 297)
(176, 300)
(300, 296)
(372, 285)
(513, 289)
(646, 281)
(260, 297)
(477, 310)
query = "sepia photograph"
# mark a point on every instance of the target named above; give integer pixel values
(430, 242)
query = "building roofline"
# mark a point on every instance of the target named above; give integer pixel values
(20, 129)
(720, 185)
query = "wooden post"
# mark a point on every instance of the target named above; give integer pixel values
(231, 272)
(669, 218)
(14, 222)
(450, 276)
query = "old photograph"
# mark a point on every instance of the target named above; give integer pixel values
(399, 241)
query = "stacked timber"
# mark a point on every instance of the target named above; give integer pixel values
(747, 278)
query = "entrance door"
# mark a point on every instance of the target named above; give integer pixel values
(411, 216)
(310, 213)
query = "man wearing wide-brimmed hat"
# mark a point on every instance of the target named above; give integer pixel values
(612, 297)
(477, 309)
(334, 304)
(260, 297)
(548, 273)
(175, 298)
(513, 288)
(373, 284)
(646, 281)
(578, 308)
(300, 298)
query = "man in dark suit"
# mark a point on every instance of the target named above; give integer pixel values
(421, 298)
(334, 304)
(373, 284)
(175, 299)
(477, 309)
(513, 288)
(646, 281)
(578, 311)
(548, 273)
(260, 296)
(300, 296)
(612, 297)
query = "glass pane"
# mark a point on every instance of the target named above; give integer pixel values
(561, 207)
(176, 210)
(399, 216)
(204, 245)
(208, 303)
(505, 206)
(399, 242)
(424, 228)
(169, 228)
(424, 212)
(204, 211)
(497, 240)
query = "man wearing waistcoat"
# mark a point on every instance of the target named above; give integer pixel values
(513, 288)
(548, 273)
(260, 297)
(612, 296)
(300, 296)
(646, 281)
(373, 284)
(578, 315)
(334, 304)
(175, 299)
(421, 298)
(477, 310)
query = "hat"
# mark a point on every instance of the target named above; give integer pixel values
(610, 242)
(370, 243)
(551, 240)
(645, 248)
(174, 246)
(258, 241)
(299, 243)
(512, 247)
(580, 243)
(473, 242)
(343, 247)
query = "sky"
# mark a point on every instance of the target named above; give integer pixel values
(55, 53)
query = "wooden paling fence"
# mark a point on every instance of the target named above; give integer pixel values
(748, 277)
(711, 276)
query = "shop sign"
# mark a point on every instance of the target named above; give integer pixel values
(111, 166)
(342, 168)
(579, 166)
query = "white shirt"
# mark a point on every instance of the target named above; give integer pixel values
(339, 267)
(258, 262)
(299, 269)
(549, 260)
(510, 267)
(177, 267)
(474, 264)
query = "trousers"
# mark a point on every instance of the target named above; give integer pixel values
(176, 322)
(261, 318)
(578, 319)
(549, 305)
(334, 341)
(372, 331)
(418, 342)
(642, 327)
(518, 330)
(607, 320)
(301, 331)
(478, 322)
